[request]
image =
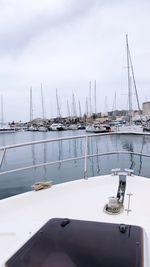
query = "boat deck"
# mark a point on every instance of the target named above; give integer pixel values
(21, 216)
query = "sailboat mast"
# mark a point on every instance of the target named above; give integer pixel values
(95, 96)
(80, 113)
(90, 98)
(86, 107)
(31, 105)
(68, 108)
(114, 107)
(42, 102)
(58, 107)
(106, 107)
(2, 112)
(129, 82)
(74, 106)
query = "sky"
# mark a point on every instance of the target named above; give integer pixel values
(65, 44)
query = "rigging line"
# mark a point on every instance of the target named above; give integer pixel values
(134, 82)
(129, 84)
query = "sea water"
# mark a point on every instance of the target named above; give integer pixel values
(18, 182)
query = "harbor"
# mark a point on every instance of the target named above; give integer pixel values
(74, 133)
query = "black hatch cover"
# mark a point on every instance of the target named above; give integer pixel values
(75, 243)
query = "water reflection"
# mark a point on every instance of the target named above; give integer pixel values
(2, 144)
(142, 147)
(93, 149)
(92, 158)
(33, 151)
(97, 158)
(60, 153)
(45, 160)
(75, 151)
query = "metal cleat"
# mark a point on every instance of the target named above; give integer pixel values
(115, 171)
(129, 172)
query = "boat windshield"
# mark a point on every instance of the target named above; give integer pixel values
(75, 243)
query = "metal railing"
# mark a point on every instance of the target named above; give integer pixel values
(4, 149)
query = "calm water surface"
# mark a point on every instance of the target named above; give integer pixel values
(19, 182)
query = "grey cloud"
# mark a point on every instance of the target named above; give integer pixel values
(21, 29)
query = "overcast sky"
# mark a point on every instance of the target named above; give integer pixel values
(65, 44)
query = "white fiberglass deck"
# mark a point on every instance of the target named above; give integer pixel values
(21, 216)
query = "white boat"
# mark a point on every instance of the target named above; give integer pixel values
(32, 128)
(128, 128)
(61, 127)
(57, 127)
(7, 129)
(81, 126)
(42, 129)
(97, 129)
(91, 222)
(73, 127)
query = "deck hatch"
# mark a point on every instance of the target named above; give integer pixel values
(75, 243)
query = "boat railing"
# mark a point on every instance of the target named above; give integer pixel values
(85, 155)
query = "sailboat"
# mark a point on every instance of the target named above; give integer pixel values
(42, 128)
(31, 128)
(131, 127)
(57, 126)
(4, 128)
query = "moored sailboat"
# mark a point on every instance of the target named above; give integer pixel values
(42, 128)
(4, 127)
(130, 126)
(31, 127)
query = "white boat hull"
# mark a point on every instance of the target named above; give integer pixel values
(82, 200)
